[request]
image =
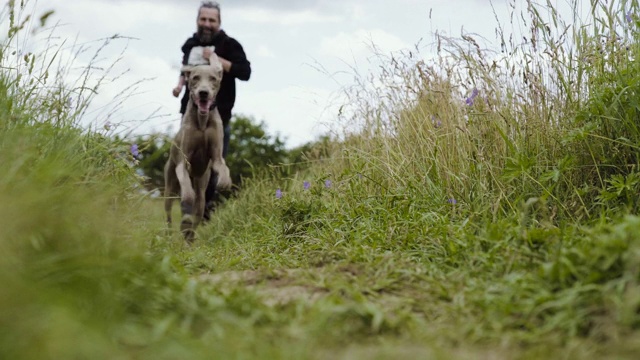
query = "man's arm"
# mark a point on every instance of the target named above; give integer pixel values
(178, 89)
(237, 64)
(186, 49)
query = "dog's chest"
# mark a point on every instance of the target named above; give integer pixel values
(199, 161)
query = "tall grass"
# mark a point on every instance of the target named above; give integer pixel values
(553, 113)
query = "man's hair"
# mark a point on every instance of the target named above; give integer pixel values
(210, 5)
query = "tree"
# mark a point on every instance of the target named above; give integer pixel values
(251, 149)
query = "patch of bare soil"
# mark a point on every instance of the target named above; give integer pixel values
(279, 287)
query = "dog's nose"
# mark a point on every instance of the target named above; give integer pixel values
(203, 94)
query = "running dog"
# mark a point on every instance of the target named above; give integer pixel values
(196, 148)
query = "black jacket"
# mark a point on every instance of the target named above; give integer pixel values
(230, 49)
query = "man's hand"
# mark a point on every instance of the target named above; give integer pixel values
(177, 90)
(206, 53)
(226, 64)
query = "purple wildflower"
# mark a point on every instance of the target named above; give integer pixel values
(436, 122)
(278, 194)
(307, 185)
(327, 184)
(452, 201)
(470, 100)
(107, 125)
(629, 17)
(134, 150)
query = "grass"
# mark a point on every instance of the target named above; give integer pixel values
(501, 226)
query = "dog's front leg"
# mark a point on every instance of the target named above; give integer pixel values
(187, 200)
(219, 165)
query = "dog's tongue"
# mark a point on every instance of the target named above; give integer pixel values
(203, 106)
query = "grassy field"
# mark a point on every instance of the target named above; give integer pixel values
(485, 207)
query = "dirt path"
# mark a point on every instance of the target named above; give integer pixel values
(278, 287)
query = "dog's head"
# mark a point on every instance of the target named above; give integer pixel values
(204, 83)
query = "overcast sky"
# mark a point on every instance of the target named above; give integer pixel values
(288, 43)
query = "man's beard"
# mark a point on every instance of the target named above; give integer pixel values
(204, 35)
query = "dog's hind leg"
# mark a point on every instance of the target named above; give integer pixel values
(168, 204)
(169, 190)
(200, 186)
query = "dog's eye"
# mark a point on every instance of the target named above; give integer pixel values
(196, 78)
(211, 78)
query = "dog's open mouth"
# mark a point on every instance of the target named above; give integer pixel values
(204, 104)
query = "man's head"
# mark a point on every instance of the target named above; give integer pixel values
(208, 20)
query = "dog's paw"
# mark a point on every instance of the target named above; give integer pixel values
(224, 179)
(187, 227)
(224, 182)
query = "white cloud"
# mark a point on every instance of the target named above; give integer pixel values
(284, 18)
(160, 32)
(298, 113)
(359, 44)
(264, 51)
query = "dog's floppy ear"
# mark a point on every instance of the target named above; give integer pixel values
(186, 69)
(215, 63)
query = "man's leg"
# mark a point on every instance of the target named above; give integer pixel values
(211, 195)
(227, 137)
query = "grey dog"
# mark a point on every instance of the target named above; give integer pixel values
(196, 148)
